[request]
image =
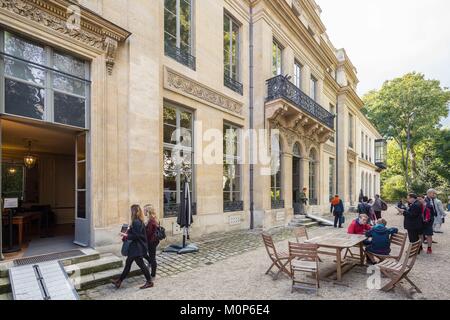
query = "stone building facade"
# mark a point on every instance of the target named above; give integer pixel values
(204, 67)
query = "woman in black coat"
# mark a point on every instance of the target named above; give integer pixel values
(413, 218)
(137, 248)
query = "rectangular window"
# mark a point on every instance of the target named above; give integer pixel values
(331, 180)
(231, 54)
(277, 61)
(362, 145)
(232, 186)
(367, 148)
(333, 112)
(313, 88)
(42, 83)
(350, 131)
(350, 182)
(370, 149)
(298, 74)
(178, 31)
(178, 155)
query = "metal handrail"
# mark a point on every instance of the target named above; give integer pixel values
(280, 87)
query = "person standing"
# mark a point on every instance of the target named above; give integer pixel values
(440, 212)
(302, 199)
(377, 206)
(413, 218)
(137, 248)
(337, 209)
(152, 239)
(428, 216)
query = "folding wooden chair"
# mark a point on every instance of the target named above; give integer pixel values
(301, 232)
(304, 259)
(398, 270)
(398, 239)
(280, 260)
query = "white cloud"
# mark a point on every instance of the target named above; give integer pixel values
(388, 38)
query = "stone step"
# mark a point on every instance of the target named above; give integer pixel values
(301, 220)
(93, 280)
(311, 224)
(90, 255)
(5, 285)
(105, 262)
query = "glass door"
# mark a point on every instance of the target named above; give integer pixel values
(82, 205)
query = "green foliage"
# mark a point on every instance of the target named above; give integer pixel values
(407, 111)
(394, 188)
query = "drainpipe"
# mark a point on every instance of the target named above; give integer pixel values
(336, 141)
(251, 108)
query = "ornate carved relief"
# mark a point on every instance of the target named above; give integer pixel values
(181, 84)
(100, 34)
(111, 48)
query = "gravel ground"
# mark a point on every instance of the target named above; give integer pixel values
(242, 277)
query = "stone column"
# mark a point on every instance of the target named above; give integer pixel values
(286, 180)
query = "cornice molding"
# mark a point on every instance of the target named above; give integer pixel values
(181, 84)
(94, 31)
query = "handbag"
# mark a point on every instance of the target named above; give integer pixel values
(126, 247)
(342, 219)
(160, 233)
(384, 206)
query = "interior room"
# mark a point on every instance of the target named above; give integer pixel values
(38, 168)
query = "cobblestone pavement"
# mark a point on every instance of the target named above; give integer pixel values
(213, 248)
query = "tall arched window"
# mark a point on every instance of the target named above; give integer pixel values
(276, 167)
(313, 177)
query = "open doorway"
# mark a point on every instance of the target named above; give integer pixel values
(52, 191)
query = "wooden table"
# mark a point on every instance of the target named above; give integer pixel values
(338, 242)
(23, 219)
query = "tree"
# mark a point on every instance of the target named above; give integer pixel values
(408, 111)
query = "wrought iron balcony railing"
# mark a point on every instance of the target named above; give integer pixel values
(179, 55)
(277, 204)
(233, 206)
(173, 209)
(280, 87)
(234, 85)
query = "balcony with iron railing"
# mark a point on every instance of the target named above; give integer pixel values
(181, 56)
(299, 107)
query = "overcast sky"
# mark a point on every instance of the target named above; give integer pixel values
(388, 38)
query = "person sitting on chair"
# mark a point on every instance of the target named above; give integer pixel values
(359, 225)
(381, 240)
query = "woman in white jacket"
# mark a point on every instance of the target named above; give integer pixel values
(440, 215)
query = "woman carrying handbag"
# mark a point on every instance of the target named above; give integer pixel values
(135, 247)
(152, 237)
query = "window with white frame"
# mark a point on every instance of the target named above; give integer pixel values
(298, 74)
(277, 61)
(276, 167)
(232, 182)
(313, 167)
(350, 130)
(178, 43)
(43, 83)
(178, 154)
(313, 88)
(231, 47)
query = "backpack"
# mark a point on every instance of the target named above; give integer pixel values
(160, 233)
(426, 214)
(384, 206)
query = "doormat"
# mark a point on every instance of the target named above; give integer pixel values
(48, 257)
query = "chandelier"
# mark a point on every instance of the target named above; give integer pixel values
(29, 160)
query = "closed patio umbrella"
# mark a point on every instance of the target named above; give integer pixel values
(184, 220)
